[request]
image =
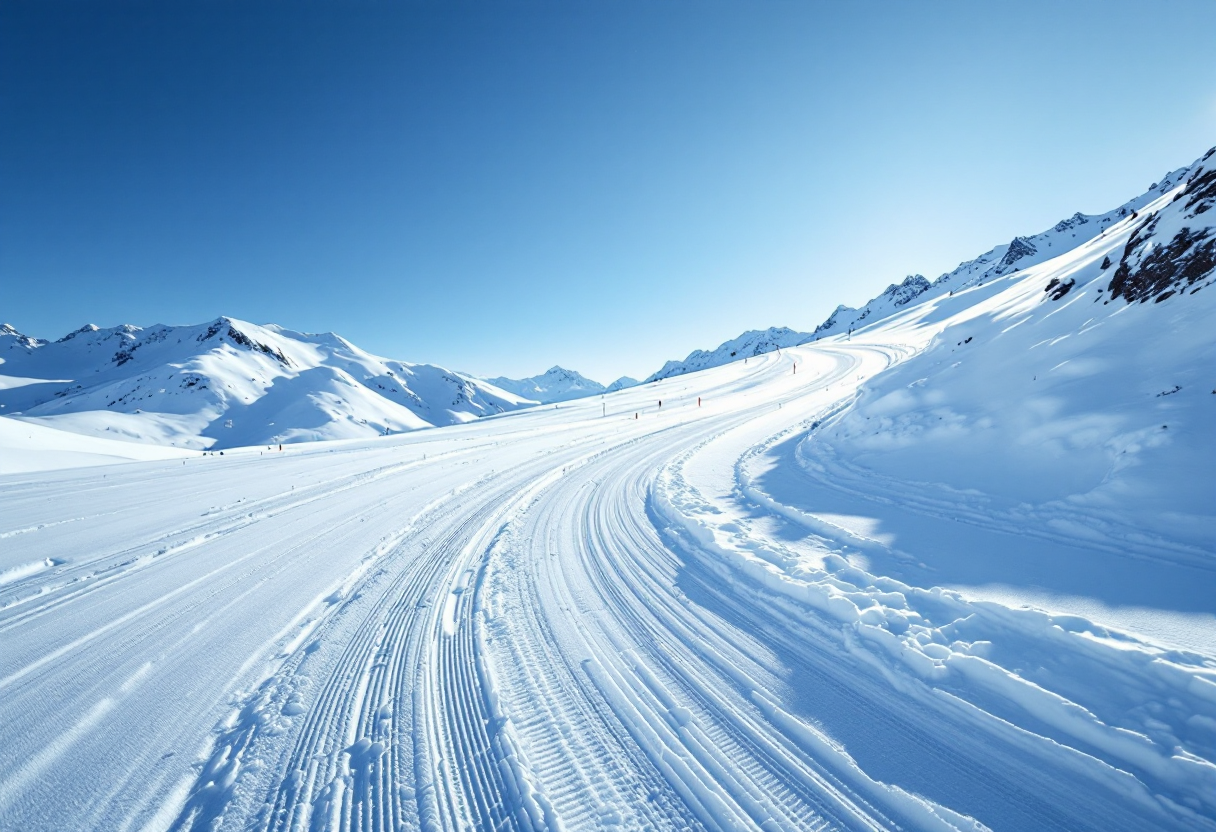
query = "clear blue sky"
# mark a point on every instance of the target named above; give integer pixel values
(604, 185)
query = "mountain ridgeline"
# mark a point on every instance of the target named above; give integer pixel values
(1171, 251)
(228, 383)
(557, 384)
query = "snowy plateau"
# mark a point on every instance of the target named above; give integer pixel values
(948, 562)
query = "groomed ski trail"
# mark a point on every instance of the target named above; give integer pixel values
(556, 620)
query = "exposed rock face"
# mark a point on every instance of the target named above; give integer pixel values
(1174, 249)
(1020, 247)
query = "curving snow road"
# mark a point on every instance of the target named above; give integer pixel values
(559, 619)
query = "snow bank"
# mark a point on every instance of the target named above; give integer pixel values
(26, 446)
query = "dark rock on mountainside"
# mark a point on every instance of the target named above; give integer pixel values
(1166, 269)
(1058, 288)
(1019, 248)
(1151, 266)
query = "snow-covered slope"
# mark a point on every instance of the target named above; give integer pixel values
(25, 447)
(894, 297)
(751, 343)
(622, 383)
(557, 384)
(1076, 395)
(956, 572)
(1009, 258)
(228, 383)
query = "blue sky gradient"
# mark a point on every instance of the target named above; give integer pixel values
(604, 185)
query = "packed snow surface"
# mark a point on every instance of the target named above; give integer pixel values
(25, 446)
(957, 571)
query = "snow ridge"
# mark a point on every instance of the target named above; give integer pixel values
(751, 343)
(228, 383)
(1152, 267)
(1017, 255)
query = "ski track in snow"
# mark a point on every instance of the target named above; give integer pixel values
(555, 620)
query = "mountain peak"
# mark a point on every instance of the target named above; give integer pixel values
(1162, 259)
(227, 383)
(621, 383)
(557, 384)
(19, 339)
(87, 328)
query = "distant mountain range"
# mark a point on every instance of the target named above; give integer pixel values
(558, 384)
(229, 383)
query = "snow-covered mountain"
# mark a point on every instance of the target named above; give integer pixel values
(1009, 258)
(557, 384)
(1073, 395)
(622, 383)
(228, 383)
(750, 343)
(980, 531)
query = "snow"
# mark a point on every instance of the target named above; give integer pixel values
(228, 383)
(750, 343)
(1014, 256)
(622, 383)
(26, 447)
(954, 571)
(557, 384)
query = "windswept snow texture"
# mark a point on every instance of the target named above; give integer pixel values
(557, 384)
(958, 572)
(228, 383)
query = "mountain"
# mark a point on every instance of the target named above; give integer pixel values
(557, 384)
(228, 383)
(751, 343)
(1017, 255)
(622, 383)
(1073, 397)
(894, 297)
